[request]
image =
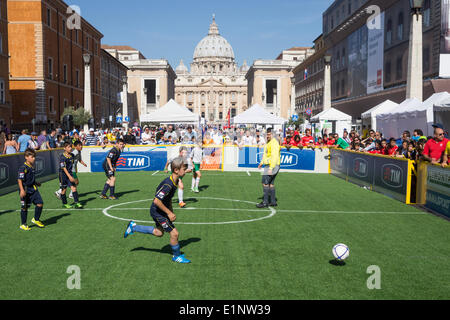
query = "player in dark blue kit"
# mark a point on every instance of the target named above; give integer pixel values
(28, 191)
(66, 178)
(162, 212)
(109, 165)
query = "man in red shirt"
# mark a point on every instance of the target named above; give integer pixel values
(308, 140)
(435, 148)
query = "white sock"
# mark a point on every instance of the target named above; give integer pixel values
(180, 195)
(193, 183)
(71, 193)
(197, 182)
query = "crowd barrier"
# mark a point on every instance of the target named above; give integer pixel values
(46, 167)
(384, 174)
(433, 188)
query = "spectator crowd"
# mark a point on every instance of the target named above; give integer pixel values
(434, 149)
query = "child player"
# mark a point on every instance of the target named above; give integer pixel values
(197, 157)
(78, 145)
(183, 154)
(162, 212)
(28, 191)
(109, 165)
(66, 178)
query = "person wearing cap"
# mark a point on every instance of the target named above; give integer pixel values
(91, 139)
(434, 149)
(33, 143)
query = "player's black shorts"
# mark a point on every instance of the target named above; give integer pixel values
(162, 221)
(31, 198)
(109, 173)
(270, 179)
(64, 181)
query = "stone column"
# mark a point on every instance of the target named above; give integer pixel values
(414, 87)
(125, 101)
(87, 87)
(327, 84)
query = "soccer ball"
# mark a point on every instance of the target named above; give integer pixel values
(341, 251)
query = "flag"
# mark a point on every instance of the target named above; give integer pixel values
(229, 118)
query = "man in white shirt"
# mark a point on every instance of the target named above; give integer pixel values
(248, 140)
(146, 137)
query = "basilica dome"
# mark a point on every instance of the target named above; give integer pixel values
(213, 45)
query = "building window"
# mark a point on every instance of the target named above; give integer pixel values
(389, 32)
(49, 17)
(203, 114)
(66, 104)
(1, 43)
(426, 59)
(63, 26)
(233, 112)
(2, 91)
(76, 36)
(343, 57)
(427, 13)
(87, 43)
(150, 85)
(349, 7)
(65, 73)
(343, 87)
(220, 115)
(96, 85)
(50, 68)
(50, 105)
(77, 78)
(338, 60)
(399, 75)
(400, 26)
(271, 91)
(387, 72)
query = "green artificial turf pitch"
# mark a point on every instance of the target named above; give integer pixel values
(274, 255)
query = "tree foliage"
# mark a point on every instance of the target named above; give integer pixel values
(80, 116)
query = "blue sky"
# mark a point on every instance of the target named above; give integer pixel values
(172, 29)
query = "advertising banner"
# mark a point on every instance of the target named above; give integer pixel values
(444, 64)
(357, 62)
(438, 190)
(46, 168)
(386, 175)
(375, 58)
(153, 160)
(293, 159)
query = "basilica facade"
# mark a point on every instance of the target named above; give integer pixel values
(214, 85)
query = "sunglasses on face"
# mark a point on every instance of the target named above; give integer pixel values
(440, 134)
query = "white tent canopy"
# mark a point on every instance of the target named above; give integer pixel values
(392, 124)
(172, 112)
(257, 115)
(334, 120)
(384, 107)
(425, 114)
(441, 113)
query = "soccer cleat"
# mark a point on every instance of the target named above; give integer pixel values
(196, 190)
(273, 204)
(25, 227)
(192, 189)
(180, 259)
(102, 196)
(129, 230)
(262, 205)
(112, 198)
(182, 204)
(68, 206)
(78, 205)
(38, 223)
(58, 195)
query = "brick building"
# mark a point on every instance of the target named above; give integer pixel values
(46, 62)
(5, 99)
(112, 78)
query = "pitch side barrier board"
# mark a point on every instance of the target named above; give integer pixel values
(154, 158)
(438, 189)
(46, 167)
(292, 159)
(387, 175)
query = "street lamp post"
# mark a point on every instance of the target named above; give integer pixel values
(327, 83)
(87, 87)
(125, 100)
(414, 88)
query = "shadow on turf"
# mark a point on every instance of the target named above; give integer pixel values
(202, 188)
(88, 193)
(54, 220)
(168, 249)
(120, 194)
(337, 263)
(190, 200)
(7, 211)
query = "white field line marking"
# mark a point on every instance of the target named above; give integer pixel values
(248, 173)
(356, 212)
(272, 212)
(156, 172)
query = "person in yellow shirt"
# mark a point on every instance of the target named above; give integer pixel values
(271, 162)
(445, 161)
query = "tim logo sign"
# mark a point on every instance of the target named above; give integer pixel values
(392, 175)
(288, 159)
(4, 173)
(361, 167)
(133, 162)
